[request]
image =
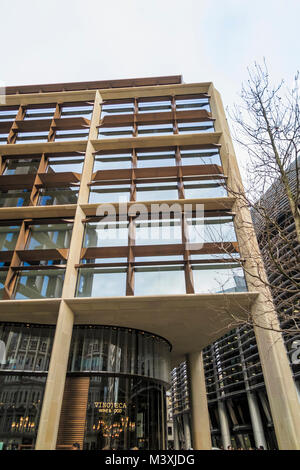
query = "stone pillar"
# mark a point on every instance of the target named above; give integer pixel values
(175, 432)
(198, 402)
(225, 431)
(258, 430)
(187, 432)
(53, 396)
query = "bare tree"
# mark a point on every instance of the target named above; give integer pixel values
(267, 125)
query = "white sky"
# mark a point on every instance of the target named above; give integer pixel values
(82, 40)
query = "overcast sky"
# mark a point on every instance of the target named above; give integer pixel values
(81, 40)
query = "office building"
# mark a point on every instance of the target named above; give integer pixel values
(121, 256)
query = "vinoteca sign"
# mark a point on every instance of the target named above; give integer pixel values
(110, 406)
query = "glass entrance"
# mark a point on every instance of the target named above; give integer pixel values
(125, 413)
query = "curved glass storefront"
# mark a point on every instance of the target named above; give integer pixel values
(126, 372)
(119, 351)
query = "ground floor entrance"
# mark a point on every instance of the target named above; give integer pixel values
(119, 413)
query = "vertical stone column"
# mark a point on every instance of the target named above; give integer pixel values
(53, 396)
(280, 386)
(225, 431)
(187, 432)
(258, 430)
(199, 409)
(175, 432)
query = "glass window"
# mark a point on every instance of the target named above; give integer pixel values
(39, 284)
(43, 237)
(218, 278)
(73, 163)
(155, 129)
(138, 422)
(195, 127)
(106, 234)
(14, 198)
(8, 114)
(3, 275)
(113, 132)
(8, 237)
(158, 106)
(158, 232)
(200, 157)
(204, 189)
(32, 136)
(72, 134)
(156, 191)
(84, 111)
(112, 193)
(27, 347)
(3, 137)
(101, 282)
(39, 113)
(114, 161)
(111, 108)
(21, 166)
(192, 103)
(159, 280)
(19, 418)
(211, 230)
(155, 159)
(57, 196)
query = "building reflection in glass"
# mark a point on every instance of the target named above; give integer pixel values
(21, 398)
(27, 347)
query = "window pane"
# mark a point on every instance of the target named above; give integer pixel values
(155, 159)
(211, 230)
(159, 281)
(155, 129)
(77, 111)
(205, 189)
(190, 104)
(200, 157)
(8, 237)
(57, 196)
(32, 136)
(158, 106)
(72, 163)
(109, 194)
(158, 232)
(8, 114)
(99, 282)
(72, 134)
(14, 198)
(156, 192)
(27, 347)
(195, 127)
(219, 278)
(40, 113)
(20, 167)
(43, 237)
(113, 132)
(117, 108)
(106, 234)
(39, 284)
(112, 161)
(3, 275)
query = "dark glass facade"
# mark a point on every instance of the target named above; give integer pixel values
(127, 372)
(124, 413)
